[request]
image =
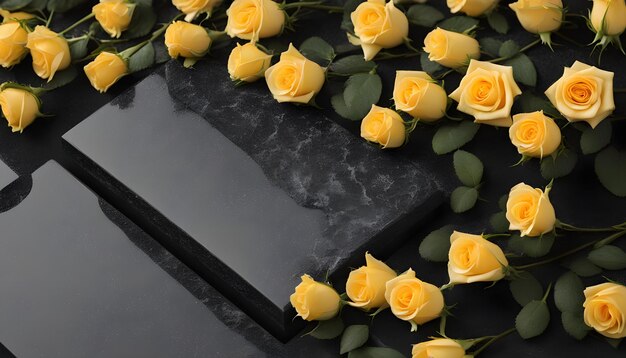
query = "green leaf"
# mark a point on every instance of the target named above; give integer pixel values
(563, 164)
(533, 319)
(608, 257)
(468, 168)
(532, 246)
(360, 93)
(490, 45)
(463, 199)
(351, 65)
(508, 49)
(317, 50)
(339, 105)
(424, 15)
(452, 137)
(435, 246)
(574, 324)
(568, 293)
(583, 267)
(428, 65)
(499, 222)
(611, 170)
(502, 202)
(613, 342)
(375, 352)
(142, 22)
(328, 329)
(63, 5)
(12, 5)
(498, 22)
(523, 69)
(353, 337)
(62, 78)
(78, 49)
(141, 59)
(525, 289)
(458, 23)
(594, 139)
(348, 7)
(529, 102)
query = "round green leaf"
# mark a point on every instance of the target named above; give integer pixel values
(452, 137)
(563, 164)
(499, 223)
(353, 337)
(498, 22)
(568, 293)
(611, 170)
(353, 64)
(360, 92)
(142, 59)
(375, 352)
(526, 288)
(583, 267)
(537, 246)
(533, 319)
(594, 139)
(574, 324)
(142, 22)
(463, 199)
(12, 5)
(458, 23)
(508, 49)
(436, 245)
(328, 329)
(523, 69)
(490, 45)
(317, 50)
(609, 257)
(468, 168)
(78, 49)
(424, 15)
(502, 202)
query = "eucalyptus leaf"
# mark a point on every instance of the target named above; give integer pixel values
(594, 139)
(317, 50)
(424, 15)
(142, 59)
(375, 352)
(608, 257)
(498, 22)
(574, 324)
(558, 165)
(458, 23)
(499, 222)
(463, 198)
(568, 293)
(468, 168)
(353, 337)
(328, 329)
(583, 267)
(509, 48)
(353, 64)
(526, 288)
(435, 246)
(533, 319)
(452, 137)
(524, 70)
(610, 167)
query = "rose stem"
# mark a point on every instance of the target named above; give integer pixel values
(86, 18)
(522, 50)
(317, 5)
(489, 342)
(567, 227)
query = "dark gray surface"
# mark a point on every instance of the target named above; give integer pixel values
(6, 175)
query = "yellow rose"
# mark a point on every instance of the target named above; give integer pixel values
(583, 93)
(529, 210)
(378, 25)
(438, 348)
(254, 19)
(315, 301)
(114, 15)
(608, 17)
(105, 70)
(193, 8)
(472, 7)
(605, 309)
(20, 107)
(417, 94)
(413, 300)
(49, 50)
(187, 40)
(366, 285)
(247, 63)
(473, 258)
(487, 92)
(294, 78)
(535, 134)
(383, 126)
(539, 16)
(451, 49)
(12, 44)
(8, 16)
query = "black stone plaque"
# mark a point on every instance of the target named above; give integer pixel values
(250, 198)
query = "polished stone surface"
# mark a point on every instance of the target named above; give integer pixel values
(252, 201)
(6, 175)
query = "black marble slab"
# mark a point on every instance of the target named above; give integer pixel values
(249, 198)
(6, 175)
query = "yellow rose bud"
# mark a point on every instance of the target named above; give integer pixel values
(12, 44)
(539, 16)
(20, 107)
(584, 93)
(605, 309)
(451, 49)
(417, 94)
(487, 92)
(193, 8)
(472, 7)
(383, 126)
(535, 134)
(438, 348)
(8, 16)
(114, 15)
(247, 63)
(608, 17)
(49, 50)
(473, 258)
(366, 285)
(294, 78)
(529, 210)
(315, 301)
(378, 25)
(187, 40)
(254, 19)
(105, 70)
(413, 300)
